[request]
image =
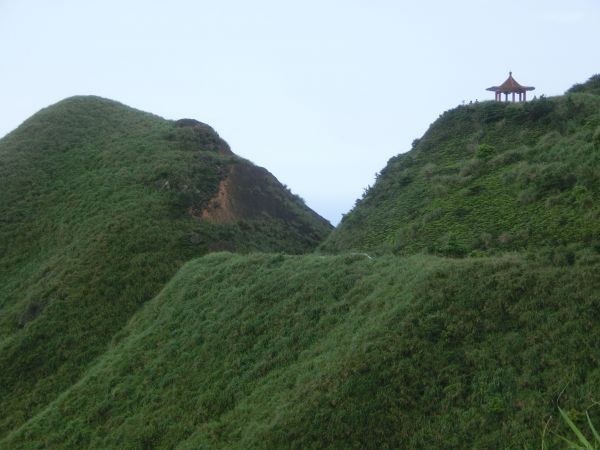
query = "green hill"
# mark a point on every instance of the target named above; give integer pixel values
(100, 204)
(455, 307)
(489, 177)
(267, 351)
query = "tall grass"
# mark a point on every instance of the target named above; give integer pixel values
(525, 175)
(275, 351)
(581, 442)
(114, 335)
(95, 201)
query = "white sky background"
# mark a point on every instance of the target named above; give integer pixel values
(320, 92)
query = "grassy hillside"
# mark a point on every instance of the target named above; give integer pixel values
(269, 351)
(474, 319)
(487, 178)
(100, 204)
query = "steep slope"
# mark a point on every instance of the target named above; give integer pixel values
(489, 177)
(99, 206)
(267, 351)
(348, 351)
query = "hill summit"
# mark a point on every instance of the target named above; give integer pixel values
(488, 178)
(100, 204)
(456, 306)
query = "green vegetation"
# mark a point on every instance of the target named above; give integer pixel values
(592, 86)
(473, 315)
(489, 178)
(95, 202)
(275, 351)
(583, 442)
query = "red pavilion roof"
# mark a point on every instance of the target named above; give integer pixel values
(510, 85)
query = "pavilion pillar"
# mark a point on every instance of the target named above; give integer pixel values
(506, 96)
(520, 96)
(513, 96)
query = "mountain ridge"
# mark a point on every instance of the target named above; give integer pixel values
(94, 201)
(427, 319)
(487, 177)
(349, 351)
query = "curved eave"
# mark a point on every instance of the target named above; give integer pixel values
(510, 90)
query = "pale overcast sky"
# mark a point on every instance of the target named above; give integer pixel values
(321, 93)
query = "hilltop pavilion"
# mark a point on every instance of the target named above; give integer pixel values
(510, 86)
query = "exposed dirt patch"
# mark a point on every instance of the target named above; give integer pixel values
(220, 208)
(249, 192)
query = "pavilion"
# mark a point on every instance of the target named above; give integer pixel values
(511, 86)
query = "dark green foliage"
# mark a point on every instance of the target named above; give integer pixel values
(472, 346)
(524, 176)
(95, 202)
(583, 442)
(592, 86)
(484, 151)
(272, 351)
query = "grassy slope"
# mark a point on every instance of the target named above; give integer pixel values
(489, 177)
(416, 352)
(348, 352)
(93, 222)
